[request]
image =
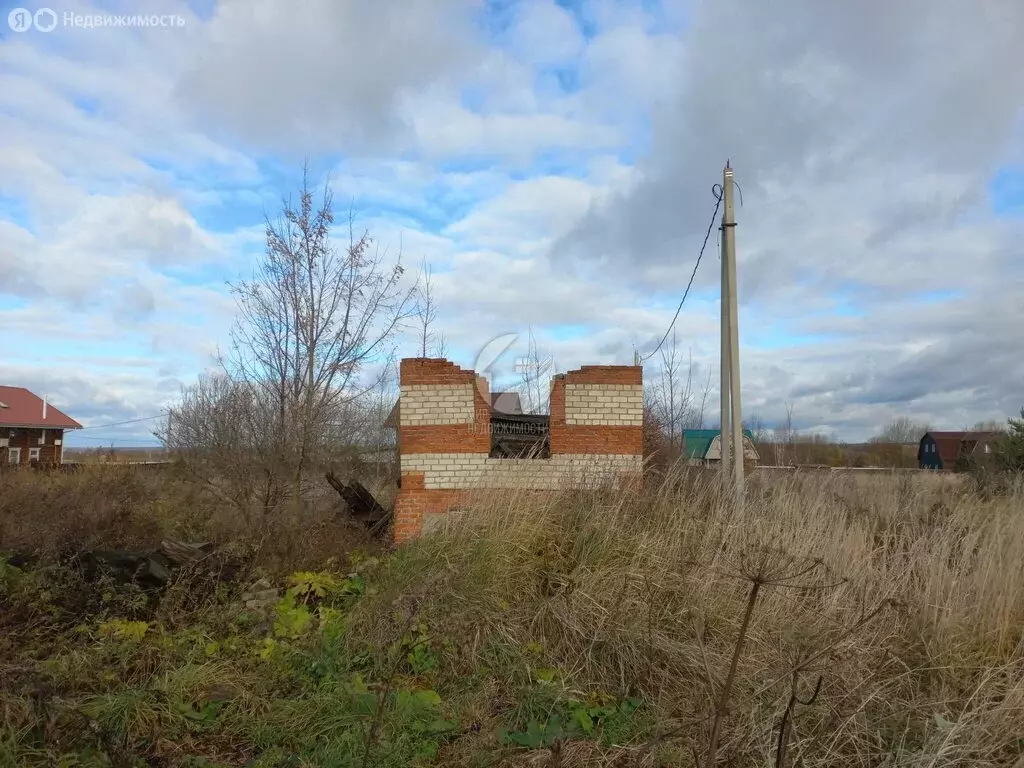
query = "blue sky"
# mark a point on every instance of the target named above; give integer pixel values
(553, 162)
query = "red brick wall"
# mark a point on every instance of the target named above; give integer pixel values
(571, 443)
(414, 501)
(606, 374)
(453, 438)
(579, 438)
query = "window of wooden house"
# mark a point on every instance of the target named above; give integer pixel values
(33, 454)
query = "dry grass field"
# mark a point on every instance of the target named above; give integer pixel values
(833, 620)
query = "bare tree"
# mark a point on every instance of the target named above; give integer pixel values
(674, 394)
(426, 314)
(441, 346)
(535, 370)
(697, 418)
(902, 430)
(674, 401)
(784, 438)
(757, 428)
(658, 455)
(361, 426)
(220, 433)
(311, 322)
(990, 425)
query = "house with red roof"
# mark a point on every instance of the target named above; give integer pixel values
(31, 430)
(942, 450)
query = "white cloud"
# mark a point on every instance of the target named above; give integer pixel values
(138, 162)
(444, 128)
(322, 75)
(543, 207)
(544, 33)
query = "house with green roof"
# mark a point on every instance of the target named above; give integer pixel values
(704, 446)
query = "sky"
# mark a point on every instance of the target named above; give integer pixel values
(553, 162)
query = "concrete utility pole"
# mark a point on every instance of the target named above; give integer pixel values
(730, 339)
(725, 434)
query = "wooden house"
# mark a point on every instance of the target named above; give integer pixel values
(31, 430)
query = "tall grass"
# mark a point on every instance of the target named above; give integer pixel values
(829, 621)
(53, 515)
(904, 595)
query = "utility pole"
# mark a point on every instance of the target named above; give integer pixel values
(735, 410)
(725, 434)
(730, 338)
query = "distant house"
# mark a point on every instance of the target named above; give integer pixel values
(941, 450)
(704, 446)
(31, 430)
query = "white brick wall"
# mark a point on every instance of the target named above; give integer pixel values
(615, 405)
(423, 404)
(477, 470)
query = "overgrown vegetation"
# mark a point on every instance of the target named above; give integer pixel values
(53, 516)
(829, 622)
(307, 368)
(1000, 472)
(1010, 453)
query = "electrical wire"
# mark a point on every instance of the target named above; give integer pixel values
(119, 423)
(106, 439)
(717, 191)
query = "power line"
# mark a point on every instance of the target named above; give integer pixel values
(106, 439)
(717, 191)
(120, 423)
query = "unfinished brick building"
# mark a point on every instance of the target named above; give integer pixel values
(452, 442)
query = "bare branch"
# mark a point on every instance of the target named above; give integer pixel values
(313, 337)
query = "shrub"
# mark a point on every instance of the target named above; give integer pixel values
(1010, 453)
(52, 515)
(1003, 471)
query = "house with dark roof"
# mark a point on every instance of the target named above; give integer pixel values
(704, 446)
(941, 450)
(31, 430)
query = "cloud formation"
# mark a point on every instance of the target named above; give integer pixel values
(865, 137)
(554, 161)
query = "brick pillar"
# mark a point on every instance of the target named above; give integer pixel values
(597, 420)
(443, 432)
